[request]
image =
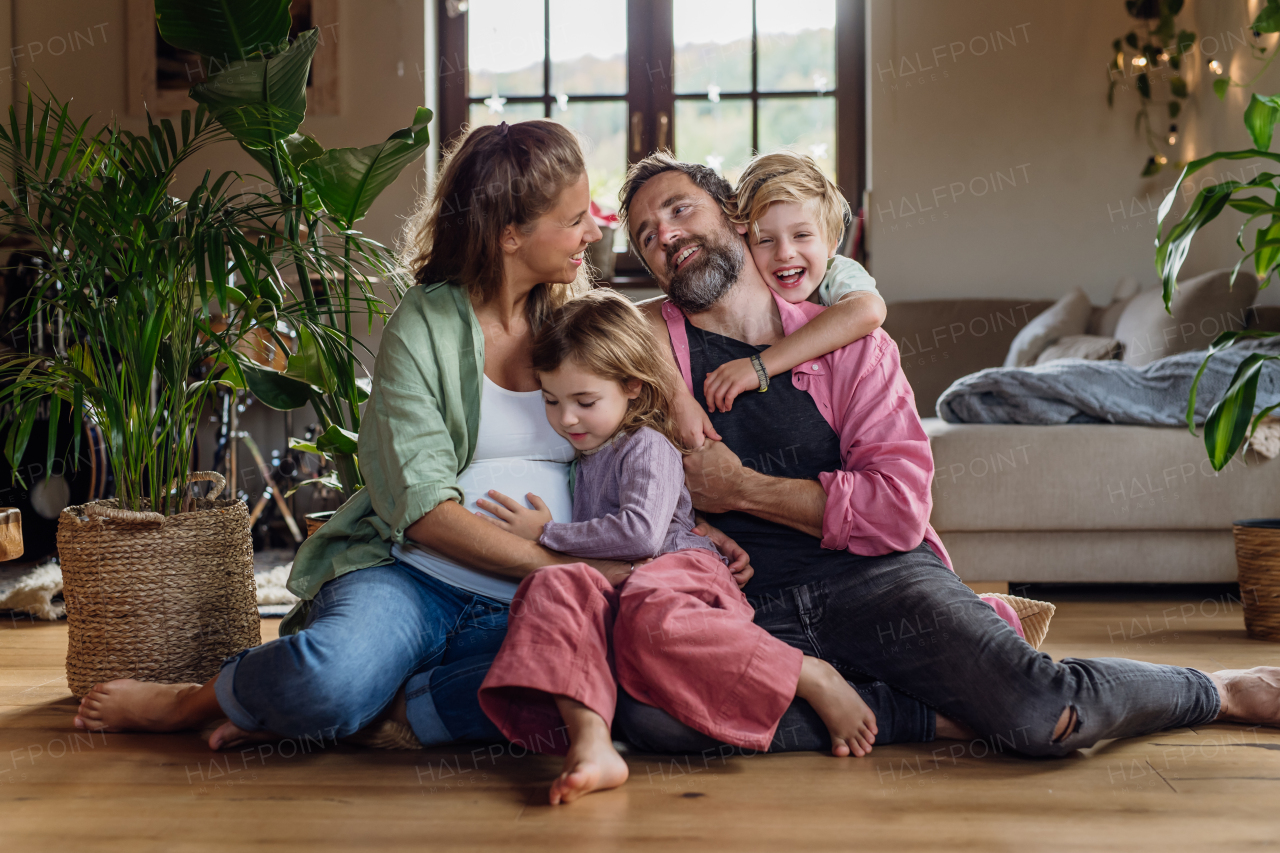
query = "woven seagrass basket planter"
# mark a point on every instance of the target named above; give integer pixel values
(155, 598)
(1258, 564)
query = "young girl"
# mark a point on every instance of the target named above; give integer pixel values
(682, 631)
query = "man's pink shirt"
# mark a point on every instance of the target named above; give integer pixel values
(880, 501)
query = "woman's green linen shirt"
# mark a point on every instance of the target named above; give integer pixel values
(417, 435)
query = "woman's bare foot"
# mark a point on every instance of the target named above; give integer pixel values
(126, 705)
(1249, 695)
(592, 763)
(851, 723)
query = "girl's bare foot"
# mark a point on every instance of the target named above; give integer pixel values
(140, 706)
(851, 723)
(592, 763)
(1249, 695)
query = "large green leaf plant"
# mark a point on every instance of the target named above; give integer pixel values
(1233, 418)
(256, 90)
(155, 293)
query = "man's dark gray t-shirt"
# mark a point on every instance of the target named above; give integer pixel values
(780, 433)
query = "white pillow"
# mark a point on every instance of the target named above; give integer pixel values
(1068, 316)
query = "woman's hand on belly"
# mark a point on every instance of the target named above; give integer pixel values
(512, 516)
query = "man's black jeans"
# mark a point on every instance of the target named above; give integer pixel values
(904, 620)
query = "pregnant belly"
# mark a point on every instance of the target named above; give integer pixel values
(517, 477)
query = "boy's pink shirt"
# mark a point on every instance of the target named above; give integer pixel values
(880, 502)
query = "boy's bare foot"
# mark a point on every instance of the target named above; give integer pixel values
(592, 763)
(140, 706)
(851, 723)
(1249, 695)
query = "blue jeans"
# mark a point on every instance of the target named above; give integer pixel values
(907, 621)
(367, 633)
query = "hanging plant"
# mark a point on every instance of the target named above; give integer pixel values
(1152, 53)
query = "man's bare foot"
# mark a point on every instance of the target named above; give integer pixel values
(229, 735)
(1249, 695)
(126, 705)
(851, 723)
(592, 763)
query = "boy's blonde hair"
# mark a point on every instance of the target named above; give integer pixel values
(605, 334)
(788, 176)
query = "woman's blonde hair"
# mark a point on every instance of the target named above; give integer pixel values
(602, 332)
(788, 176)
(492, 177)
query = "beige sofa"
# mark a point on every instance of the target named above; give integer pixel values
(1073, 503)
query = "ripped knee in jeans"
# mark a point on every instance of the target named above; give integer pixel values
(1068, 724)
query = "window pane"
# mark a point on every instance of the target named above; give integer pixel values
(511, 113)
(712, 45)
(602, 128)
(505, 47)
(797, 45)
(588, 47)
(805, 125)
(718, 135)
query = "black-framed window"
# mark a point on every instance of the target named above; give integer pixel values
(715, 80)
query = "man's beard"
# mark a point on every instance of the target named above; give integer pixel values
(701, 282)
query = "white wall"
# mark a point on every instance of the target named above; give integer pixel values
(1069, 206)
(382, 79)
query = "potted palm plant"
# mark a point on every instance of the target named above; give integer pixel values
(158, 583)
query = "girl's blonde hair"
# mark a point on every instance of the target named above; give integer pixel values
(492, 177)
(788, 176)
(602, 332)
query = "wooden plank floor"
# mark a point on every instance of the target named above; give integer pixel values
(1215, 788)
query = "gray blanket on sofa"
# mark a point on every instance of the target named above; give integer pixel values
(1073, 390)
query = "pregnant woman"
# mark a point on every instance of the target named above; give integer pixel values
(406, 591)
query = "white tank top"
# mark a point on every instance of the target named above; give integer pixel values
(517, 452)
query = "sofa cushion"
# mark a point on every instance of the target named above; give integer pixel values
(1089, 477)
(1091, 347)
(1203, 307)
(1103, 320)
(1068, 316)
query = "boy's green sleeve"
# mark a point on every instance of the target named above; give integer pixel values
(844, 275)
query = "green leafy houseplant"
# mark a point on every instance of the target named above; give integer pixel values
(256, 90)
(1232, 419)
(1160, 44)
(131, 271)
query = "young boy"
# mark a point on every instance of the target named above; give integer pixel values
(795, 220)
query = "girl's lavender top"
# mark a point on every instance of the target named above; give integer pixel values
(629, 503)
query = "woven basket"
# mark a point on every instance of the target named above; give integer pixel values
(1258, 564)
(1034, 615)
(155, 598)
